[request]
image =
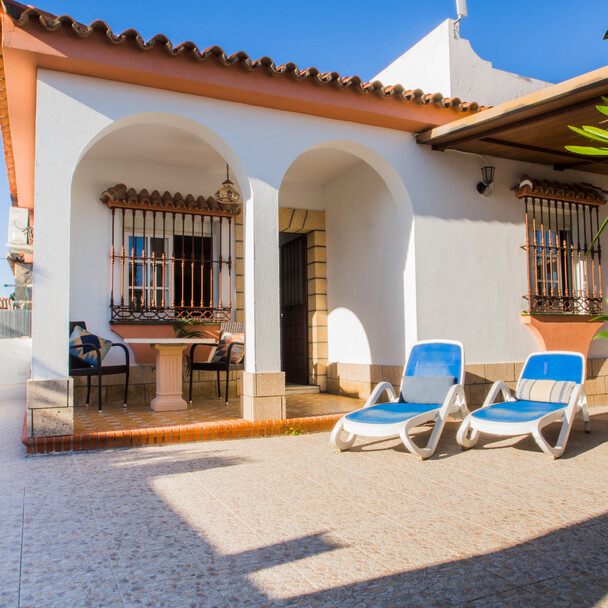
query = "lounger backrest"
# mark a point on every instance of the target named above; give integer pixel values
(569, 366)
(436, 359)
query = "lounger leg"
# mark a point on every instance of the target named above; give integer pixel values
(88, 391)
(467, 437)
(431, 446)
(337, 441)
(219, 390)
(560, 446)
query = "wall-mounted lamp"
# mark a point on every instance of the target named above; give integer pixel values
(484, 187)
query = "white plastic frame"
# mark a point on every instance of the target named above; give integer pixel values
(454, 403)
(468, 433)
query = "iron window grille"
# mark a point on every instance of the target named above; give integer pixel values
(561, 278)
(170, 263)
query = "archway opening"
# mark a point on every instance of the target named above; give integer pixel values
(165, 249)
(334, 197)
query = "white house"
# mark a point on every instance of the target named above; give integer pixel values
(369, 190)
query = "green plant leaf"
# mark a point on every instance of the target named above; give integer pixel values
(591, 133)
(602, 109)
(588, 150)
(187, 328)
(602, 335)
(597, 236)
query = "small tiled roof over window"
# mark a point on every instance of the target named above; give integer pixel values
(575, 193)
(121, 196)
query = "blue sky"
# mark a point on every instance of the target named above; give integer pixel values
(548, 39)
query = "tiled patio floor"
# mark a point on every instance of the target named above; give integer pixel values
(137, 415)
(286, 521)
(137, 424)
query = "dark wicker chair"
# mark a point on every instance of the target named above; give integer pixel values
(81, 368)
(209, 366)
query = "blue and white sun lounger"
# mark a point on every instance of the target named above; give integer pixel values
(551, 388)
(431, 390)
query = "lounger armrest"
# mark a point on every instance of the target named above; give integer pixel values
(497, 388)
(577, 398)
(377, 392)
(454, 398)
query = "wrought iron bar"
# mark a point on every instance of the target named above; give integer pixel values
(122, 262)
(112, 257)
(149, 298)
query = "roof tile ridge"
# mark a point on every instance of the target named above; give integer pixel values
(22, 14)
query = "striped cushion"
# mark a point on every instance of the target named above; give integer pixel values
(81, 337)
(238, 350)
(548, 391)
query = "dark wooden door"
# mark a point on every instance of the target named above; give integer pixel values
(294, 311)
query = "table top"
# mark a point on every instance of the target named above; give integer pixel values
(176, 341)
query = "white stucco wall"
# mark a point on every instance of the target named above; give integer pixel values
(366, 253)
(460, 274)
(446, 64)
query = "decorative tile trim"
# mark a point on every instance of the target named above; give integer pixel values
(203, 431)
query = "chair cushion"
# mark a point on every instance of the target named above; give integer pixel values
(81, 337)
(236, 354)
(548, 391)
(426, 389)
(517, 411)
(388, 413)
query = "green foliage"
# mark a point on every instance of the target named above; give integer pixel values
(601, 334)
(594, 134)
(187, 328)
(295, 430)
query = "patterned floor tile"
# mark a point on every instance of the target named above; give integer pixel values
(288, 522)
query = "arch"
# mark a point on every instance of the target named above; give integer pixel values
(367, 259)
(85, 207)
(375, 160)
(179, 122)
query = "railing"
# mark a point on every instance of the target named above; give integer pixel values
(168, 265)
(15, 323)
(561, 278)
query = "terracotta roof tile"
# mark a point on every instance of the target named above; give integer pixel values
(576, 193)
(120, 196)
(21, 15)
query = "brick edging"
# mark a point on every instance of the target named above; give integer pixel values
(200, 431)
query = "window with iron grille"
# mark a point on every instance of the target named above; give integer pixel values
(171, 257)
(561, 222)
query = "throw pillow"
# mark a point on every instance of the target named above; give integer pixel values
(547, 391)
(238, 350)
(81, 338)
(426, 389)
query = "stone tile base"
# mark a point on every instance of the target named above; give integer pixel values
(263, 396)
(50, 421)
(50, 407)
